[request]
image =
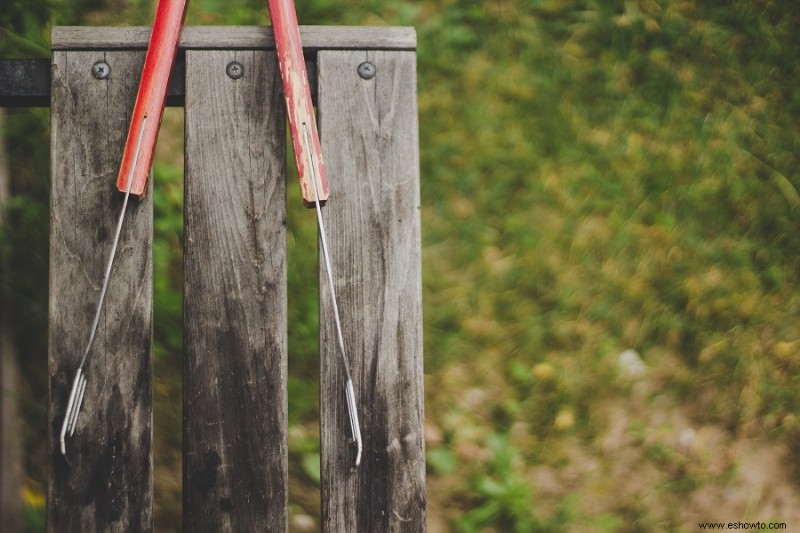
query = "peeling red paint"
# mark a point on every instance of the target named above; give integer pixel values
(298, 98)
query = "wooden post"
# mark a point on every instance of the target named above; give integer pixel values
(109, 486)
(235, 405)
(369, 141)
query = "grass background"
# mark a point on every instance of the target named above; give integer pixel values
(598, 178)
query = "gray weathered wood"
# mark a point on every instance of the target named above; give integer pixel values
(109, 487)
(235, 447)
(242, 37)
(235, 405)
(370, 144)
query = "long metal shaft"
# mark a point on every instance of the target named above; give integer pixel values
(111, 257)
(349, 391)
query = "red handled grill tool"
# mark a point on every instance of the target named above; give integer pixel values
(136, 161)
(138, 154)
(308, 156)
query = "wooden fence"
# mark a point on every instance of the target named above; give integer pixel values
(235, 466)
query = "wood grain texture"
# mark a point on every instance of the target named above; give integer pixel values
(235, 405)
(370, 142)
(109, 487)
(240, 37)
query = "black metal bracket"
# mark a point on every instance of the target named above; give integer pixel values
(26, 82)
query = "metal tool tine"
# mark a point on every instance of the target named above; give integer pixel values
(354, 426)
(349, 391)
(78, 402)
(70, 408)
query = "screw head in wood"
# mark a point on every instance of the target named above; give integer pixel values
(101, 70)
(367, 70)
(234, 70)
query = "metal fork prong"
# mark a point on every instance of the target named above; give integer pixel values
(78, 403)
(354, 426)
(70, 407)
(74, 407)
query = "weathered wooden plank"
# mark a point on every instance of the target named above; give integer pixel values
(238, 37)
(235, 372)
(109, 486)
(370, 144)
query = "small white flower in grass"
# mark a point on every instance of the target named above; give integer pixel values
(630, 365)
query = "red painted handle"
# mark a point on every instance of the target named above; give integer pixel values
(151, 96)
(298, 99)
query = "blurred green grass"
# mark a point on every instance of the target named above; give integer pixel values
(596, 177)
(600, 177)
